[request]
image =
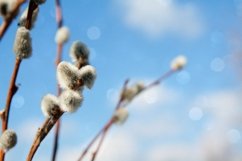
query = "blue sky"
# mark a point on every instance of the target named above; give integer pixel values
(195, 114)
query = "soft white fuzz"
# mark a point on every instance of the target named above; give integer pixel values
(68, 76)
(179, 62)
(50, 105)
(62, 35)
(23, 43)
(88, 75)
(120, 116)
(70, 101)
(8, 140)
(79, 51)
(131, 92)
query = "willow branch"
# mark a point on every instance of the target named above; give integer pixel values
(103, 131)
(31, 8)
(121, 98)
(11, 91)
(12, 87)
(59, 20)
(41, 134)
(6, 23)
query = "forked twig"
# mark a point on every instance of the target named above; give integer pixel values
(104, 130)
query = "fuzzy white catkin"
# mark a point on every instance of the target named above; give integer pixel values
(23, 18)
(50, 105)
(88, 75)
(62, 35)
(6, 7)
(131, 92)
(23, 43)
(70, 101)
(38, 2)
(68, 76)
(120, 116)
(78, 51)
(179, 62)
(8, 140)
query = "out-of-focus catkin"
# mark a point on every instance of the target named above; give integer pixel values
(8, 140)
(179, 62)
(120, 116)
(22, 44)
(62, 35)
(79, 51)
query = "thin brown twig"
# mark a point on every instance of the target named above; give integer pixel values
(121, 98)
(12, 87)
(6, 23)
(59, 20)
(58, 124)
(11, 91)
(94, 139)
(159, 80)
(119, 104)
(156, 82)
(41, 134)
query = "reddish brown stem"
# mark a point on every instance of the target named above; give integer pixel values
(11, 91)
(42, 133)
(59, 21)
(59, 54)
(159, 80)
(13, 88)
(59, 18)
(109, 123)
(58, 124)
(6, 23)
(121, 98)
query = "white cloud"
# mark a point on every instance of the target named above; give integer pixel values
(176, 152)
(218, 141)
(116, 147)
(159, 17)
(223, 106)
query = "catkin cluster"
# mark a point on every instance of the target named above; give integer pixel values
(129, 93)
(121, 114)
(72, 78)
